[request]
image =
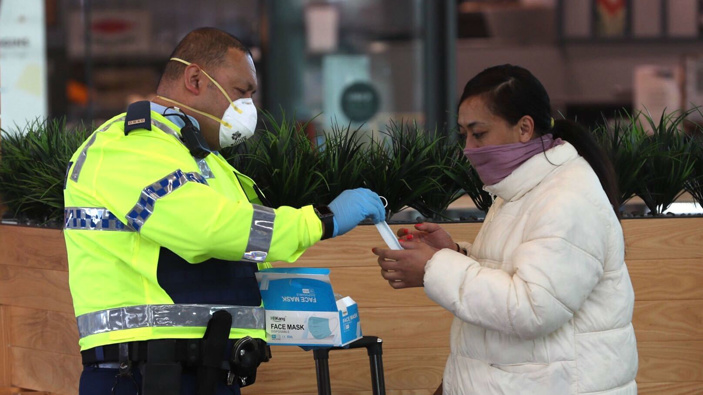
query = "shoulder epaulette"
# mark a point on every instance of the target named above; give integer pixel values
(138, 116)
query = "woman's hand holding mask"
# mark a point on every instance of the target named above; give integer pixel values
(405, 268)
(429, 233)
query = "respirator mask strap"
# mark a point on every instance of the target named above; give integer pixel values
(231, 103)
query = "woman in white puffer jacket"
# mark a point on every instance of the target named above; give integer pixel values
(542, 299)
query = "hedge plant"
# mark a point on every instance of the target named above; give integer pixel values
(33, 165)
(653, 158)
(694, 185)
(282, 161)
(408, 165)
(670, 163)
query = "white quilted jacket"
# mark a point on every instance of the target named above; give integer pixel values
(543, 304)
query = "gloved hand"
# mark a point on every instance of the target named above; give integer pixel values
(353, 206)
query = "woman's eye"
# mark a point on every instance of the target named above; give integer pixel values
(478, 136)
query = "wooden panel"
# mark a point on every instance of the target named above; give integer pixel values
(401, 328)
(354, 248)
(408, 327)
(405, 369)
(673, 279)
(44, 330)
(32, 247)
(695, 388)
(351, 249)
(463, 231)
(35, 288)
(46, 371)
(20, 391)
(5, 365)
(646, 239)
(663, 238)
(668, 320)
(255, 390)
(366, 286)
(665, 259)
(670, 361)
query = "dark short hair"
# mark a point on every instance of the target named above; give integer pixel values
(206, 47)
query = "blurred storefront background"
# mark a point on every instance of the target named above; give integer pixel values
(358, 62)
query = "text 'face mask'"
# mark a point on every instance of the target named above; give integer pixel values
(239, 120)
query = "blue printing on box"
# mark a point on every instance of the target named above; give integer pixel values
(287, 291)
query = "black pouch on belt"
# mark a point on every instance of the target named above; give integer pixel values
(161, 373)
(213, 349)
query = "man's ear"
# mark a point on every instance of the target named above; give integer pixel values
(192, 78)
(527, 128)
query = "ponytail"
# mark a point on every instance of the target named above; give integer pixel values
(587, 147)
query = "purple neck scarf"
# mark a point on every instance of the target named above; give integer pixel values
(495, 162)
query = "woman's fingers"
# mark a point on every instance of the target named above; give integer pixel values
(404, 268)
(398, 284)
(392, 275)
(428, 227)
(387, 264)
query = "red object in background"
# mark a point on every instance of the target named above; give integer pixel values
(111, 26)
(77, 92)
(612, 7)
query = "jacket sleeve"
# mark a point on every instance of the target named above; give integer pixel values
(557, 265)
(161, 195)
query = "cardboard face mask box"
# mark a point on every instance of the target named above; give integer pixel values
(301, 309)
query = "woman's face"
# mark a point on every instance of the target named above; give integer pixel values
(483, 128)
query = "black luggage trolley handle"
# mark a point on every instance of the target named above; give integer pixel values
(374, 348)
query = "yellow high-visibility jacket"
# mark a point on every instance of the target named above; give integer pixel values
(157, 240)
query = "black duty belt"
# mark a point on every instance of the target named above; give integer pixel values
(163, 360)
(187, 351)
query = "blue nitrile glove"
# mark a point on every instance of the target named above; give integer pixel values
(353, 206)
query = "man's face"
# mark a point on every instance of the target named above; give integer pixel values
(237, 76)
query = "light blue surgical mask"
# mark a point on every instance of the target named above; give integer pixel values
(319, 327)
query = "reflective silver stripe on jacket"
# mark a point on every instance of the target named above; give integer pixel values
(145, 205)
(165, 128)
(84, 152)
(166, 315)
(202, 165)
(92, 218)
(260, 234)
(204, 169)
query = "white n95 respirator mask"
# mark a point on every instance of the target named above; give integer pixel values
(238, 123)
(239, 120)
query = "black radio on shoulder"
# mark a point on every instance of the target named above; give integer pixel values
(193, 139)
(139, 117)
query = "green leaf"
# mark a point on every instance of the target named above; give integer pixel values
(33, 166)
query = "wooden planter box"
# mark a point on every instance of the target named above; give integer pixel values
(39, 341)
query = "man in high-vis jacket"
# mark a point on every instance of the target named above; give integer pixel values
(164, 237)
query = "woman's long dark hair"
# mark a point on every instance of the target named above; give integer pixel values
(512, 92)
